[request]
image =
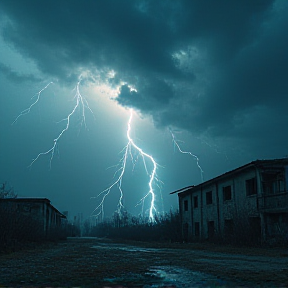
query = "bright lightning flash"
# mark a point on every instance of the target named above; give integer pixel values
(175, 142)
(80, 103)
(118, 182)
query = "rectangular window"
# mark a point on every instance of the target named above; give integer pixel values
(197, 229)
(208, 197)
(185, 205)
(211, 229)
(271, 183)
(195, 199)
(227, 193)
(228, 227)
(251, 187)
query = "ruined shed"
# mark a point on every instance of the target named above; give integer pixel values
(38, 210)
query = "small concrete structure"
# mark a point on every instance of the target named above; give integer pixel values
(40, 209)
(250, 199)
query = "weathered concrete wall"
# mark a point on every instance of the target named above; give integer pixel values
(39, 210)
(209, 211)
(185, 209)
(211, 208)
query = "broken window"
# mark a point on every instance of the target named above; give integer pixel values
(227, 193)
(185, 205)
(208, 197)
(251, 186)
(195, 201)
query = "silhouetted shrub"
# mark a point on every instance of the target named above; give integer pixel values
(164, 228)
(72, 230)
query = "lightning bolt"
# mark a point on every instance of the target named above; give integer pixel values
(215, 148)
(127, 151)
(27, 111)
(175, 142)
(80, 103)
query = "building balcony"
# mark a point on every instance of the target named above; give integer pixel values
(274, 203)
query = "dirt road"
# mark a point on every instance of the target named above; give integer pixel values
(83, 262)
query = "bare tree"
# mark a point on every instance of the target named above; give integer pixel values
(7, 191)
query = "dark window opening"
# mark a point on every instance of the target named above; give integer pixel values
(272, 182)
(228, 227)
(185, 205)
(255, 228)
(211, 229)
(208, 197)
(185, 231)
(227, 193)
(195, 201)
(251, 186)
(197, 229)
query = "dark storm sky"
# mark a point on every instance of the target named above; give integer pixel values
(214, 71)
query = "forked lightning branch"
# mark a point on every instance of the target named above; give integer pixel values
(82, 104)
(121, 171)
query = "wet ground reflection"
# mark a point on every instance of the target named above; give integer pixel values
(163, 275)
(160, 276)
(166, 277)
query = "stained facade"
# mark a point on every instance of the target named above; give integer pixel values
(38, 209)
(251, 199)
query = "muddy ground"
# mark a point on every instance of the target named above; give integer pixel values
(91, 262)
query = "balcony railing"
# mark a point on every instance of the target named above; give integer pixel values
(274, 202)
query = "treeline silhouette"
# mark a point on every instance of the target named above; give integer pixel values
(127, 227)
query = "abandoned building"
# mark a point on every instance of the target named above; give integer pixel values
(251, 200)
(39, 210)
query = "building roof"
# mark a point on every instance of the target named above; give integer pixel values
(183, 189)
(256, 163)
(33, 200)
(28, 199)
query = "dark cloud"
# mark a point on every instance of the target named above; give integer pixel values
(153, 95)
(204, 66)
(16, 77)
(223, 27)
(113, 34)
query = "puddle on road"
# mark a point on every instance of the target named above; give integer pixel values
(179, 277)
(125, 248)
(166, 277)
(161, 276)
